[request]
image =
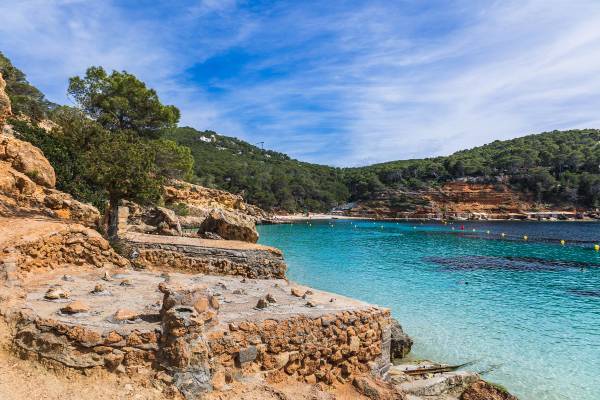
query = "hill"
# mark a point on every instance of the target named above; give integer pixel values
(266, 178)
(559, 169)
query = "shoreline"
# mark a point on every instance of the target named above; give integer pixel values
(291, 218)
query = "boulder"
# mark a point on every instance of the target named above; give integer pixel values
(401, 342)
(483, 390)
(154, 220)
(230, 226)
(376, 390)
(20, 195)
(75, 307)
(5, 109)
(27, 159)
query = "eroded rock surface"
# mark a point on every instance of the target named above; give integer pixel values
(230, 226)
(27, 186)
(5, 107)
(27, 159)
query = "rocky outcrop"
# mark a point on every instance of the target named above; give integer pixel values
(401, 343)
(230, 226)
(197, 197)
(216, 214)
(5, 108)
(19, 195)
(153, 220)
(27, 159)
(31, 245)
(456, 199)
(483, 390)
(27, 186)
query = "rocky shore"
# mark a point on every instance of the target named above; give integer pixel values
(182, 303)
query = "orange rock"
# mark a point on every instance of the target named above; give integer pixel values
(124, 314)
(75, 307)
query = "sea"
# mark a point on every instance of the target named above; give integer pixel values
(520, 301)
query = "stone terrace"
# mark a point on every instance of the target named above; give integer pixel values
(195, 255)
(70, 299)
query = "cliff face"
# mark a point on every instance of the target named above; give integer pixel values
(455, 199)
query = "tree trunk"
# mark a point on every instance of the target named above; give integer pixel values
(113, 219)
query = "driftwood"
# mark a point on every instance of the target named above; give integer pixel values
(436, 369)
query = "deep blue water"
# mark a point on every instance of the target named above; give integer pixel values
(527, 311)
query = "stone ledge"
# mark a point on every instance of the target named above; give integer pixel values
(215, 257)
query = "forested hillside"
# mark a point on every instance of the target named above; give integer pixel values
(556, 167)
(266, 178)
(561, 167)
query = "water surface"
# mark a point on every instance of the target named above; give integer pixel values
(528, 311)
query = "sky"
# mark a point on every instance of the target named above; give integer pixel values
(342, 83)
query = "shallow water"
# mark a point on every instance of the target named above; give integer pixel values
(526, 311)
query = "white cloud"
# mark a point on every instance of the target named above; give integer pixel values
(337, 83)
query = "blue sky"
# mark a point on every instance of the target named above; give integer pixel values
(336, 82)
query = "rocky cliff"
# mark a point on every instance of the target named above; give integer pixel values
(452, 200)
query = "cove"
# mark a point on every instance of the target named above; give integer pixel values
(526, 311)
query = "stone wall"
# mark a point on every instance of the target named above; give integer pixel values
(331, 348)
(77, 346)
(335, 347)
(262, 264)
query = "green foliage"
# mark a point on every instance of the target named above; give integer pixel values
(559, 167)
(172, 160)
(120, 101)
(266, 178)
(25, 98)
(123, 166)
(180, 209)
(554, 167)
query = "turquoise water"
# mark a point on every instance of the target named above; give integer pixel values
(526, 311)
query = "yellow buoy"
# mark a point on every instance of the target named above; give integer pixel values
(562, 242)
(597, 247)
(525, 237)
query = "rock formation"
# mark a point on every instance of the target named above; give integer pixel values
(401, 343)
(215, 214)
(229, 226)
(5, 108)
(27, 186)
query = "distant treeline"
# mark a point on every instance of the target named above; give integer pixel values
(560, 167)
